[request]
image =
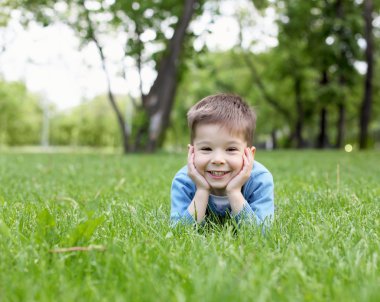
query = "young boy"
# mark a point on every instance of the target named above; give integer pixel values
(221, 177)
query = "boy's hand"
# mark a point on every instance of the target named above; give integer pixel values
(239, 180)
(199, 180)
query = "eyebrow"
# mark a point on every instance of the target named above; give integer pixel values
(203, 143)
(209, 142)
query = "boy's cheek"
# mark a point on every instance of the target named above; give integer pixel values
(198, 164)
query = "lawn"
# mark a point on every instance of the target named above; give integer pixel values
(324, 244)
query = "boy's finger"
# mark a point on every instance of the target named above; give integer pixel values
(248, 155)
(190, 152)
(245, 161)
(192, 165)
(252, 151)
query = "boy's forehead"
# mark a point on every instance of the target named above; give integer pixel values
(211, 129)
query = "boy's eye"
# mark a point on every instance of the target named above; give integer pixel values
(206, 149)
(232, 149)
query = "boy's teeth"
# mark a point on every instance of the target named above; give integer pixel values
(218, 173)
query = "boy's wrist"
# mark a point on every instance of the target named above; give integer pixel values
(203, 191)
(236, 200)
(233, 193)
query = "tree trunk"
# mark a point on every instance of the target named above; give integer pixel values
(300, 115)
(322, 141)
(159, 101)
(342, 33)
(111, 97)
(322, 137)
(274, 139)
(138, 142)
(341, 125)
(366, 107)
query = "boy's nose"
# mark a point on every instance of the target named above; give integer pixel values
(218, 159)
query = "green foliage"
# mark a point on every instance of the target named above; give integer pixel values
(94, 20)
(323, 36)
(227, 72)
(93, 123)
(323, 244)
(83, 232)
(196, 84)
(315, 38)
(20, 115)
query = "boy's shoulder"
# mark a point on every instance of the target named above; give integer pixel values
(260, 178)
(259, 168)
(182, 174)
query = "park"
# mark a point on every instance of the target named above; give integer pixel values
(85, 189)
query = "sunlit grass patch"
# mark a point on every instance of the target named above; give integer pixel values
(113, 210)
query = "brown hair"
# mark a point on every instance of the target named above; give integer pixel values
(230, 111)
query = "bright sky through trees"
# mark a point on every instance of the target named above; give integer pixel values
(48, 61)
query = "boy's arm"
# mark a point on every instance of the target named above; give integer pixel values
(182, 193)
(233, 189)
(185, 204)
(198, 205)
(257, 203)
(259, 199)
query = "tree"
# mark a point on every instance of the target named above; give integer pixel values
(92, 123)
(159, 101)
(366, 106)
(245, 18)
(20, 115)
(92, 21)
(331, 30)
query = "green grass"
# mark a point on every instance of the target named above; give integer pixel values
(324, 244)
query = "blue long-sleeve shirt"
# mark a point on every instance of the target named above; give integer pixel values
(258, 193)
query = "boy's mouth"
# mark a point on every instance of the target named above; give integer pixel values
(218, 173)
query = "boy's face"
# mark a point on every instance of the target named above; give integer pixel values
(218, 155)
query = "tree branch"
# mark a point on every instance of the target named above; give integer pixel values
(274, 103)
(111, 96)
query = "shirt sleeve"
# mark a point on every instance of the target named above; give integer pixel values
(182, 193)
(259, 195)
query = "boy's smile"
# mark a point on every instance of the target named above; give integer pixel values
(218, 155)
(218, 174)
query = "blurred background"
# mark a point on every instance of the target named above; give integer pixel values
(121, 75)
